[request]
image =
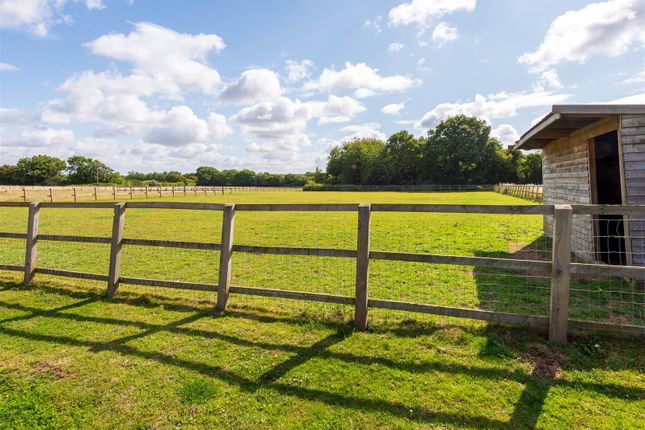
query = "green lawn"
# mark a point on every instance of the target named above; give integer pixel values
(157, 358)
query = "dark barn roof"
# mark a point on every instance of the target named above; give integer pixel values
(565, 119)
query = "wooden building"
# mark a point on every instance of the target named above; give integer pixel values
(595, 154)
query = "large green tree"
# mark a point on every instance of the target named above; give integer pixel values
(460, 150)
(357, 162)
(39, 170)
(85, 170)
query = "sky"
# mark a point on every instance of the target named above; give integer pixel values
(159, 85)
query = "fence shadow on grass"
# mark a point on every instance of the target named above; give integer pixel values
(500, 342)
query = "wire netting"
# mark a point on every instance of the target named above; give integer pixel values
(618, 298)
(470, 286)
(13, 220)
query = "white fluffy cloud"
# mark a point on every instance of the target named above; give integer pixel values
(37, 16)
(278, 124)
(365, 130)
(548, 80)
(609, 28)
(421, 12)
(6, 67)
(506, 134)
(253, 86)
(14, 116)
(175, 60)
(629, 100)
(181, 127)
(444, 33)
(298, 70)
(37, 137)
(638, 78)
(493, 106)
(335, 109)
(364, 80)
(393, 108)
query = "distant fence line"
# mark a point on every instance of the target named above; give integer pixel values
(339, 187)
(533, 192)
(84, 193)
(560, 268)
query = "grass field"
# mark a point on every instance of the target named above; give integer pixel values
(156, 358)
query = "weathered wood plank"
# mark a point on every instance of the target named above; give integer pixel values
(499, 317)
(174, 205)
(362, 267)
(225, 257)
(341, 207)
(295, 295)
(31, 253)
(319, 252)
(498, 263)
(67, 238)
(8, 235)
(483, 209)
(608, 209)
(168, 284)
(636, 272)
(13, 267)
(560, 273)
(172, 244)
(71, 274)
(116, 245)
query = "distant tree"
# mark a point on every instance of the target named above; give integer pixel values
(403, 157)
(7, 173)
(174, 177)
(530, 170)
(356, 161)
(85, 170)
(39, 170)
(459, 150)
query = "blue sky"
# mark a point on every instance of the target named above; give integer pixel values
(272, 85)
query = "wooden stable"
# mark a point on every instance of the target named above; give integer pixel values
(595, 154)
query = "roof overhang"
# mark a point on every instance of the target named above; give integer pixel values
(566, 119)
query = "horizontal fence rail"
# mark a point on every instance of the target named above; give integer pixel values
(466, 187)
(89, 193)
(559, 268)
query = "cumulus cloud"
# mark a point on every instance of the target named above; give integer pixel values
(38, 137)
(444, 33)
(393, 108)
(335, 109)
(395, 47)
(6, 67)
(364, 80)
(37, 16)
(609, 28)
(298, 70)
(182, 127)
(421, 12)
(279, 125)
(506, 134)
(14, 116)
(492, 106)
(548, 80)
(253, 86)
(365, 130)
(176, 60)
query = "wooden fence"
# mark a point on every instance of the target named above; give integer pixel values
(526, 191)
(465, 187)
(75, 194)
(560, 268)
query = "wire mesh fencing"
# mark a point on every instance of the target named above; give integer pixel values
(513, 237)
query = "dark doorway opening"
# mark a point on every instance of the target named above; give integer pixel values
(609, 229)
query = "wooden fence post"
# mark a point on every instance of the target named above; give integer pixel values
(362, 266)
(226, 252)
(114, 193)
(24, 194)
(560, 274)
(118, 224)
(74, 189)
(32, 240)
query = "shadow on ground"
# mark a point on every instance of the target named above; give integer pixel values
(547, 363)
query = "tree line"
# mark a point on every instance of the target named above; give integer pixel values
(79, 170)
(459, 150)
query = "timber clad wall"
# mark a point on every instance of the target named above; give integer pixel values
(565, 172)
(632, 137)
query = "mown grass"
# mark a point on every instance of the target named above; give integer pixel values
(155, 358)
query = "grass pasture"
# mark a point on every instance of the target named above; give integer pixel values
(157, 358)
